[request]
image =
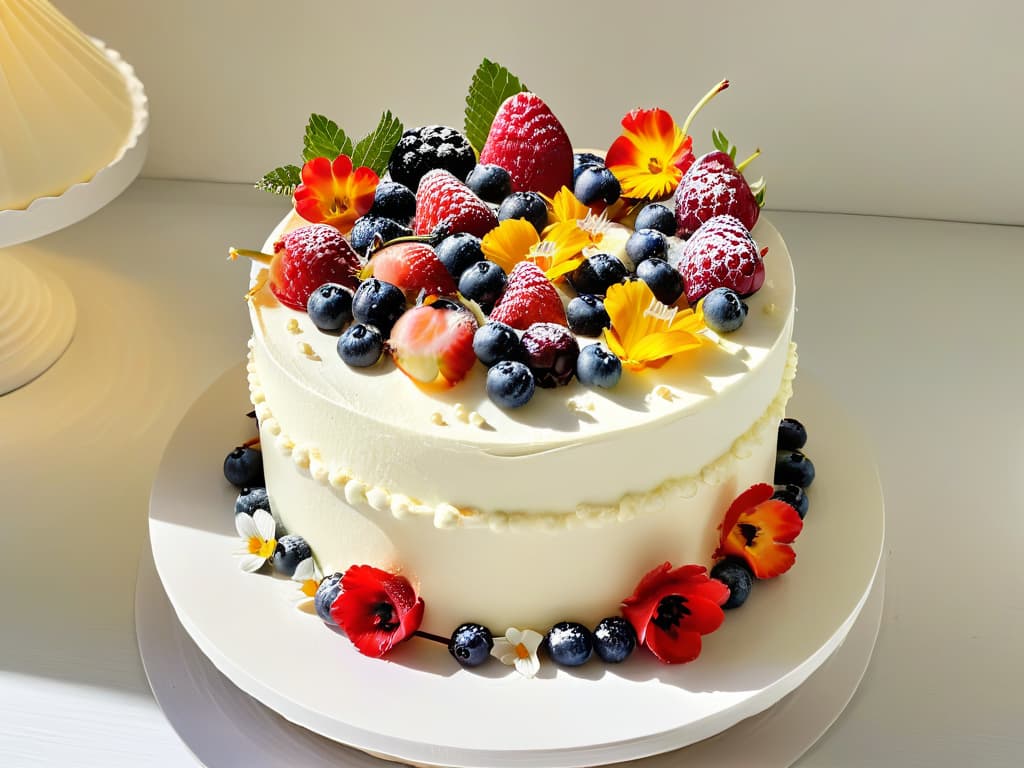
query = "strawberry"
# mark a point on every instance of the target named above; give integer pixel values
(527, 140)
(303, 260)
(413, 267)
(713, 186)
(529, 298)
(429, 342)
(721, 254)
(441, 197)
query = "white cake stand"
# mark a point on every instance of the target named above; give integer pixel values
(37, 311)
(420, 707)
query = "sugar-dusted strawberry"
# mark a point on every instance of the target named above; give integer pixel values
(413, 267)
(529, 298)
(303, 260)
(721, 254)
(441, 197)
(527, 140)
(434, 343)
(714, 186)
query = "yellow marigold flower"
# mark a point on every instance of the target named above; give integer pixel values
(515, 240)
(644, 332)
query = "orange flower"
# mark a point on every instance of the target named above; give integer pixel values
(515, 240)
(651, 155)
(335, 193)
(644, 332)
(760, 529)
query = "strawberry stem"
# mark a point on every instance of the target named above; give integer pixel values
(378, 244)
(700, 104)
(750, 159)
(262, 258)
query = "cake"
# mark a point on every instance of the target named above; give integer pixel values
(536, 492)
(84, 89)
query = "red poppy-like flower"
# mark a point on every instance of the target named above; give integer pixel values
(335, 193)
(671, 609)
(376, 609)
(760, 529)
(651, 155)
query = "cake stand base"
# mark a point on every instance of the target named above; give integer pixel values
(37, 321)
(225, 727)
(419, 707)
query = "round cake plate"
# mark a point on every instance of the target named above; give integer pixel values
(420, 707)
(223, 726)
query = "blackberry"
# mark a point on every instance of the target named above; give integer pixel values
(427, 147)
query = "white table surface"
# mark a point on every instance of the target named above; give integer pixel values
(914, 325)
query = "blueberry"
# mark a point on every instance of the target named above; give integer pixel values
(646, 244)
(736, 575)
(510, 384)
(289, 552)
(657, 216)
(494, 342)
(360, 346)
(330, 306)
(243, 467)
(792, 435)
(378, 303)
(251, 499)
(793, 468)
(394, 201)
(582, 160)
(587, 315)
(525, 205)
(724, 310)
(490, 182)
(598, 367)
(597, 274)
(458, 252)
(662, 278)
(614, 639)
(483, 282)
(471, 644)
(326, 594)
(570, 644)
(370, 228)
(794, 496)
(596, 183)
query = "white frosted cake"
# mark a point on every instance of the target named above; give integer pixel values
(519, 449)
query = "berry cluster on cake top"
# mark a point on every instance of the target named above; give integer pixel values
(436, 249)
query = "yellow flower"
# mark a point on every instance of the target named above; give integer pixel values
(515, 240)
(644, 332)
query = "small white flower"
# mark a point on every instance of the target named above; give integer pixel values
(258, 532)
(519, 648)
(308, 576)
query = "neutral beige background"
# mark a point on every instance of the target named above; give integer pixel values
(909, 109)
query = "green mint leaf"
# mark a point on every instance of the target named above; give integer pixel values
(281, 181)
(374, 149)
(324, 139)
(491, 85)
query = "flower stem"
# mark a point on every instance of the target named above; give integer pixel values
(431, 636)
(749, 160)
(262, 258)
(700, 104)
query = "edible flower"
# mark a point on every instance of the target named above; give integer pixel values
(258, 532)
(334, 193)
(644, 332)
(760, 529)
(671, 609)
(518, 648)
(308, 576)
(515, 240)
(653, 153)
(376, 609)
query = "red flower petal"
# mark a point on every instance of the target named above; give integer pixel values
(674, 648)
(316, 172)
(342, 166)
(376, 609)
(760, 529)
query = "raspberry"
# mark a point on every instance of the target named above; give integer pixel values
(427, 147)
(443, 199)
(551, 353)
(721, 254)
(529, 298)
(306, 258)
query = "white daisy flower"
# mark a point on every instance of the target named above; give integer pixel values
(258, 532)
(519, 648)
(308, 576)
